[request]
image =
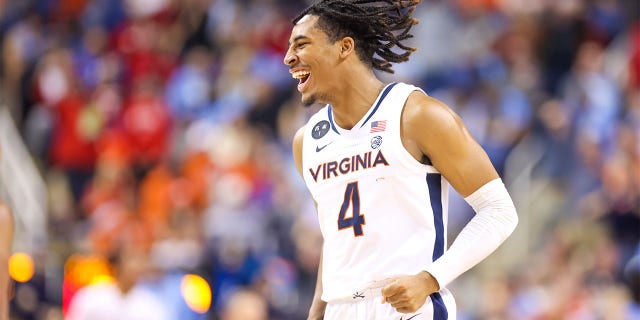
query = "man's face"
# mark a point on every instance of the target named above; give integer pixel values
(312, 60)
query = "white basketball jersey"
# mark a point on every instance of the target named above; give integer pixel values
(381, 212)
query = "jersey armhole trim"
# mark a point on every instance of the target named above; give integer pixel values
(405, 157)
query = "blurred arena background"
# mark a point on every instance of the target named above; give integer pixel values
(160, 130)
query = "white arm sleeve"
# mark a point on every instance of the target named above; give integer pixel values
(494, 221)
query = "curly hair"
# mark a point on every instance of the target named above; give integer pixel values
(376, 26)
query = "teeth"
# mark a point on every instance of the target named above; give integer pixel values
(299, 74)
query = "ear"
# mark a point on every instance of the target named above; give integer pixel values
(347, 46)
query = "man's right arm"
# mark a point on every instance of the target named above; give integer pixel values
(317, 305)
(316, 312)
(6, 240)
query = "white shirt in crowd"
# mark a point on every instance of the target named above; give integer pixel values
(105, 301)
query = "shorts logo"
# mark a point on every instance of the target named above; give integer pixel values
(320, 129)
(358, 295)
(376, 142)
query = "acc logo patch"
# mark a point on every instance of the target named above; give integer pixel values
(376, 142)
(320, 129)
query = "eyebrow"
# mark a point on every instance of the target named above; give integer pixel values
(300, 37)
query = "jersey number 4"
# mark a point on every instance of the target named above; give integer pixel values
(351, 199)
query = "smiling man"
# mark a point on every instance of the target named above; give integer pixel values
(378, 159)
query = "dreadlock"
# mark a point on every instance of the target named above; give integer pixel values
(377, 26)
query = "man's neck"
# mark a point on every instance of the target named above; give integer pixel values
(353, 102)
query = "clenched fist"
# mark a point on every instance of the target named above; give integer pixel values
(407, 294)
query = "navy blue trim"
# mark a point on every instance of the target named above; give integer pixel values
(384, 94)
(333, 126)
(439, 308)
(434, 183)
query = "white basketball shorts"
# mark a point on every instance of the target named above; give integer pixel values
(368, 305)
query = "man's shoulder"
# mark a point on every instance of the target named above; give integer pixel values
(425, 115)
(321, 114)
(298, 137)
(420, 105)
(319, 124)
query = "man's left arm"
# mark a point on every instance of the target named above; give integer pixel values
(431, 128)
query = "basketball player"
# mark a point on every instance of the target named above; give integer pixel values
(377, 160)
(6, 239)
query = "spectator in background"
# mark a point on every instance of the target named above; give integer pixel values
(126, 298)
(146, 123)
(6, 240)
(245, 305)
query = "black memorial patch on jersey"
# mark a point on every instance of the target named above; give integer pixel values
(320, 129)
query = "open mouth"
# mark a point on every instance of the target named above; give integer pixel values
(304, 79)
(302, 76)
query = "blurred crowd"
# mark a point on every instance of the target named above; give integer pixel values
(162, 129)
